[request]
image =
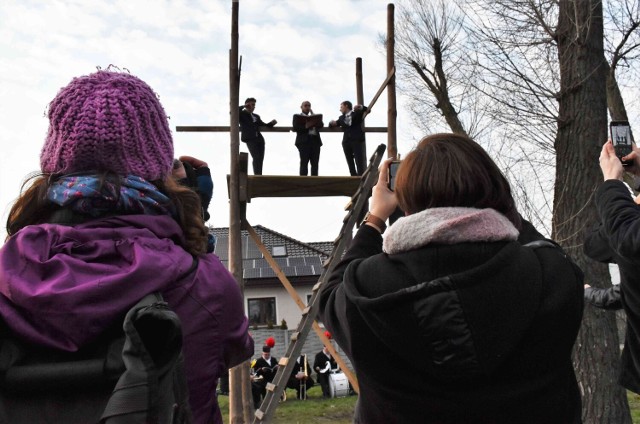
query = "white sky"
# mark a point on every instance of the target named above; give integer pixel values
(292, 51)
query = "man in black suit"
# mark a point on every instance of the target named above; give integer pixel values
(264, 370)
(308, 139)
(250, 124)
(353, 140)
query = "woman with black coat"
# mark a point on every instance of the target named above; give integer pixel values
(450, 318)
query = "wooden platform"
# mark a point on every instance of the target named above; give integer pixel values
(296, 186)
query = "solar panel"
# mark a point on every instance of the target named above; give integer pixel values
(296, 261)
(289, 270)
(313, 260)
(282, 262)
(305, 270)
(267, 272)
(250, 273)
(261, 263)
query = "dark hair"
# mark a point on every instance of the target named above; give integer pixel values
(348, 104)
(33, 207)
(447, 170)
(249, 99)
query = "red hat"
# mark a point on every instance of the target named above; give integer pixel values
(271, 342)
(327, 335)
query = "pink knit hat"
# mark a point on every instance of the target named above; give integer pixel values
(108, 121)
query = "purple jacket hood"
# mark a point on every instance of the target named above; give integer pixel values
(52, 275)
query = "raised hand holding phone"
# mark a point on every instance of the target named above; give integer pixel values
(621, 139)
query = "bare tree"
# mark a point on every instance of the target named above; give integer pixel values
(582, 127)
(528, 66)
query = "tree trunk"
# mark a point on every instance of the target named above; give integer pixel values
(614, 98)
(582, 130)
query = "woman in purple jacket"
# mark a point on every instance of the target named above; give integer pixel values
(105, 224)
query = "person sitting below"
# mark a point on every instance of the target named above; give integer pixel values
(324, 364)
(106, 224)
(300, 378)
(450, 318)
(263, 370)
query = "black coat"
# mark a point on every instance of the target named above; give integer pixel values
(250, 130)
(353, 132)
(469, 332)
(617, 239)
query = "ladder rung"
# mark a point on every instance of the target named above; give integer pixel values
(306, 310)
(316, 287)
(294, 336)
(259, 414)
(271, 387)
(283, 361)
(348, 205)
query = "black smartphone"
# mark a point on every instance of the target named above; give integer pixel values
(621, 138)
(393, 171)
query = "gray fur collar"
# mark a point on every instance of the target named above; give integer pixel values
(447, 226)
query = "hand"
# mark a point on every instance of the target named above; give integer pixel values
(383, 200)
(273, 122)
(357, 107)
(332, 123)
(609, 163)
(178, 172)
(194, 162)
(587, 286)
(634, 160)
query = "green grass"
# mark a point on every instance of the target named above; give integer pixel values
(634, 405)
(340, 411)
(313, 410)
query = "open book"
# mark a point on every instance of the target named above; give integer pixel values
(307, 121)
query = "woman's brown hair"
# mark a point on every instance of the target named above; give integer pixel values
(447, 170)
(33, 207)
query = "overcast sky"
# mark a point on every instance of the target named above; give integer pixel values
(292, 51)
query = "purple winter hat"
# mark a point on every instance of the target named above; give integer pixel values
(108, 121)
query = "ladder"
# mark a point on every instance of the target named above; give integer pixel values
(356, 208)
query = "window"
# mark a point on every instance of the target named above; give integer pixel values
(279, 251)
(262, 310)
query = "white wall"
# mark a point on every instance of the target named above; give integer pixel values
(286, 308)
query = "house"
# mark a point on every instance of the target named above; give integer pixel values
(266, 301)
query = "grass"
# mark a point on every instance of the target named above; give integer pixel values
(313, 410)
(340, 410)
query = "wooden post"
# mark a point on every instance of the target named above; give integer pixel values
(240, 401)
(359, 87)
(392, 113)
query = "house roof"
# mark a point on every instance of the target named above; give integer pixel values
(295, 258)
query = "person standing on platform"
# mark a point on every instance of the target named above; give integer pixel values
(353, 141)
(250, 124)
(308, 139)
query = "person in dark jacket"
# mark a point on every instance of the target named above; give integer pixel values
(603, 298)
(324, 364)
(616, 238)
(106, 224)
(308, 141)
(300, 378)
(353, 140)
(250, 124)
(451, 319)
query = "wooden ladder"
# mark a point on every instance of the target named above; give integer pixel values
(356, 209)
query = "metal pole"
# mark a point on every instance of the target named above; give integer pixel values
(392, 113)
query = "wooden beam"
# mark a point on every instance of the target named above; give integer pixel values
(300, 186)
(205, 128)
(380, 90)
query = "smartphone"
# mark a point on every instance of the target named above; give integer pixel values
(621, 138)
(393, 171)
